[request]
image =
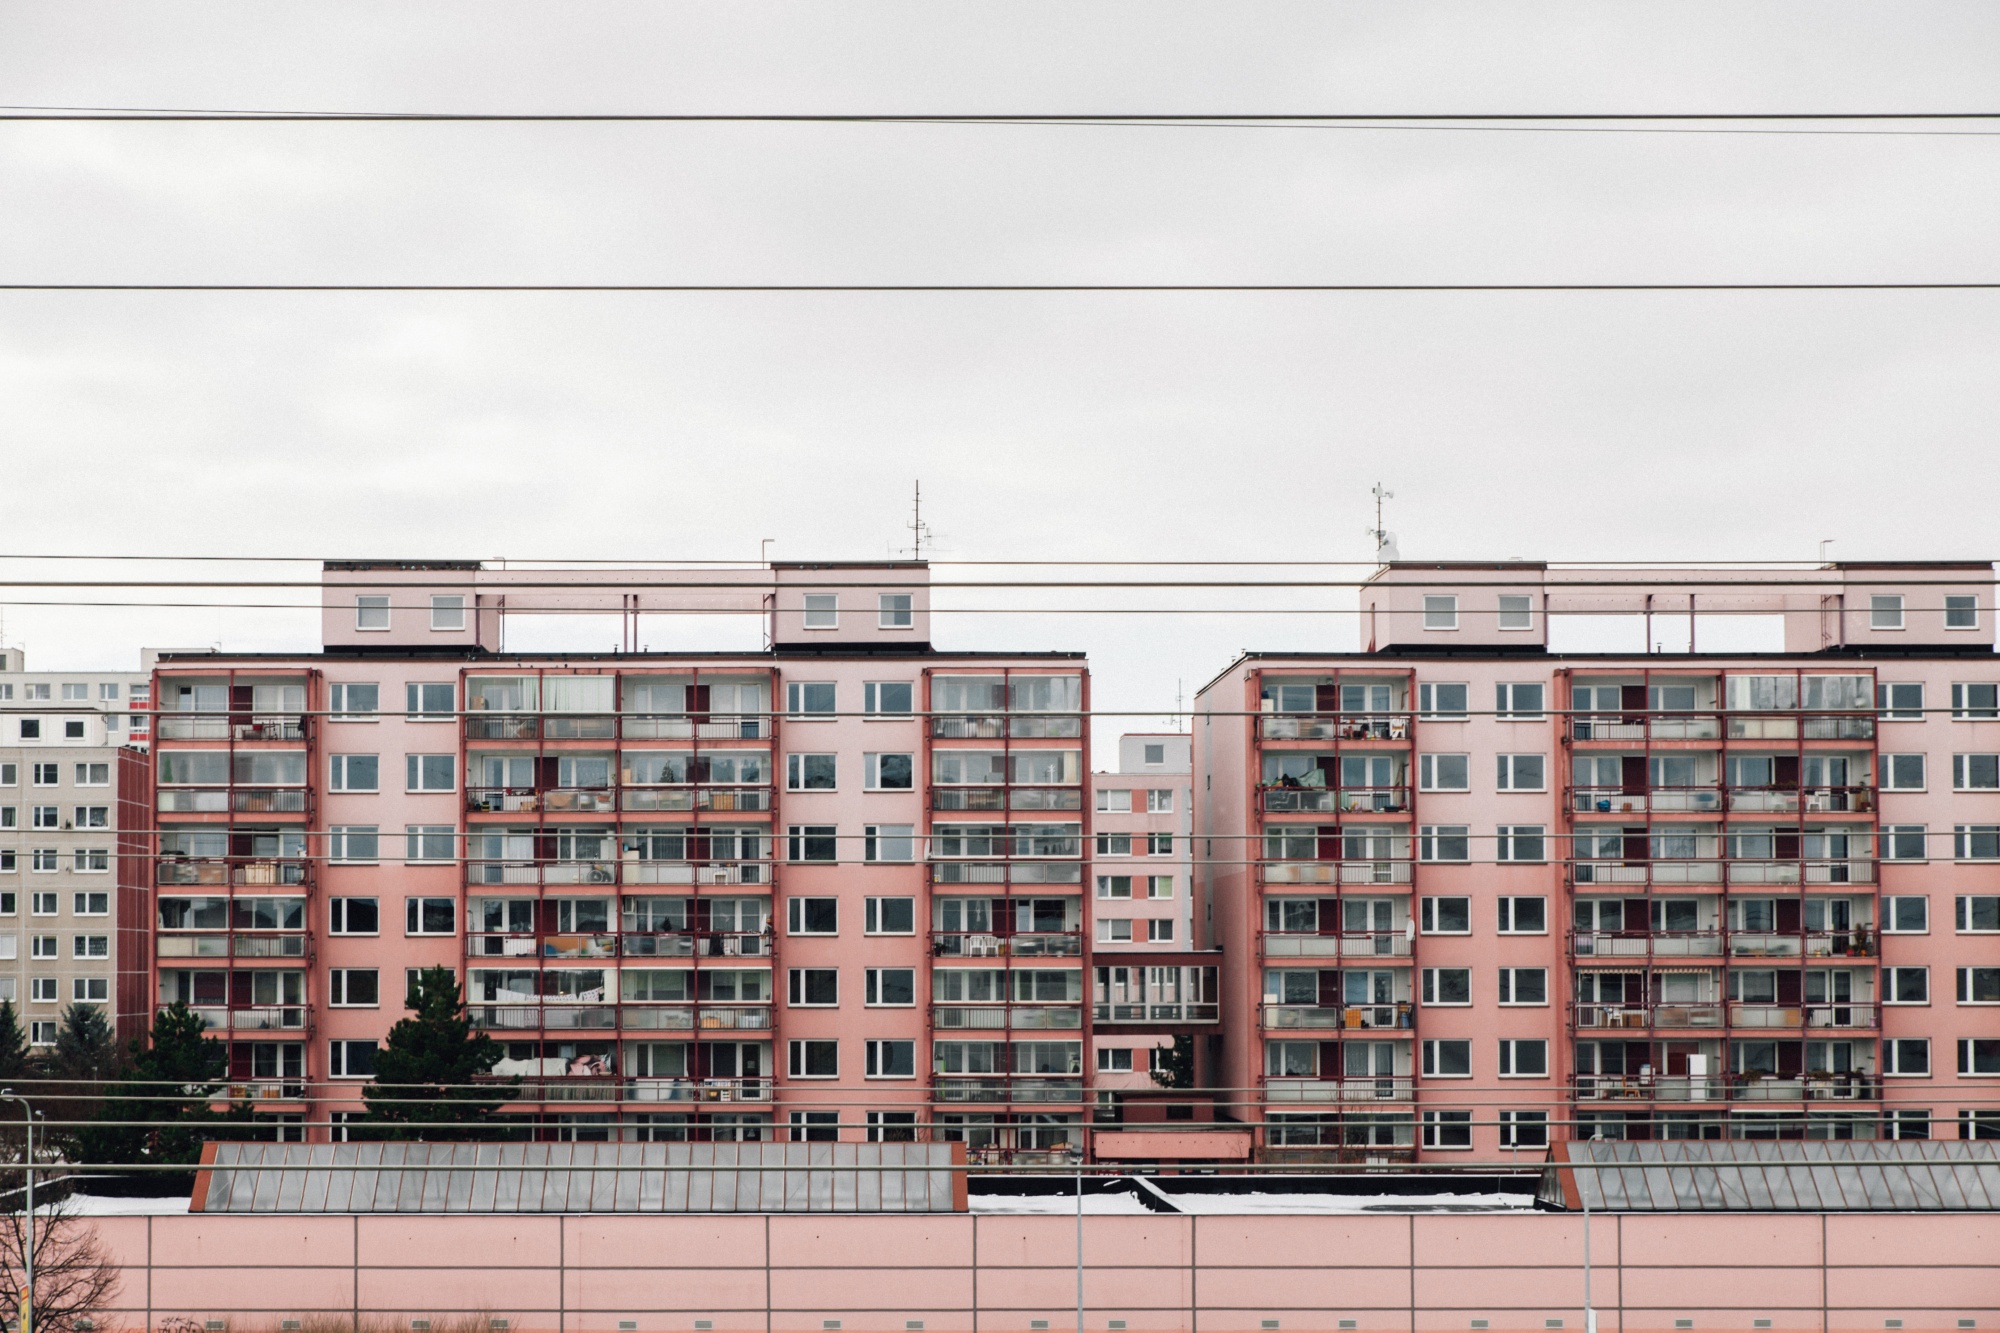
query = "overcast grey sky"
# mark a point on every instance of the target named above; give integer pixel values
(1564, 426)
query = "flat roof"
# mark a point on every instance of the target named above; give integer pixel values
(1756, 1175)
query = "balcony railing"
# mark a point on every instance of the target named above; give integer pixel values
(1006, 872)
(1361, 1088)
(614, 944)
(277, 945)
(1342, 800)
(992, 727)
(221, 800)
(1155, 1011)
(1853, 1086)
(1337, 872)
(1691, 1014)
(224, 727)
(1634, 727)
(248, 1018)
(605, 872)
(1040, 1018)
(250, 873)
(708, 727)
(1019, 1088)
(1021, 944)
(1370, 1017)
(632, 1017)
(1850, 1014)
(1359, 944)
(744, 799)
(997, 799)
(1334, 726)
(1660, 800)
(1659, 870)
(1640, 943)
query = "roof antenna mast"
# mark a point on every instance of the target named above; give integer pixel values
(919, 530)
(1385, 541)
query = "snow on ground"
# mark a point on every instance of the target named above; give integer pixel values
(87, 1205)
(1060, 1205)
(1207, 1204)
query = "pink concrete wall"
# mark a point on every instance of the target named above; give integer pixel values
(1001, 1274)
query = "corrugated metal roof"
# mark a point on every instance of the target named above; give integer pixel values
(1763, 1176)
(580, 1178)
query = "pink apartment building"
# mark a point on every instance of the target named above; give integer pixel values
(1474, 894)
(834, 889)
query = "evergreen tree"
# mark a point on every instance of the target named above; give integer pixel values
(159, 1110)
(1176, 1069)
(86, 1049)
(14, 1059)
(423, 1074)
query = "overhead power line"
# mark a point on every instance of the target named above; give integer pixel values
(230, 114)
(992, 288)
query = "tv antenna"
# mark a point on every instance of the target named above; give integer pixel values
(1385, 541)
(920, 531)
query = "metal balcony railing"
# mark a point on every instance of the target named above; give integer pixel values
(1358, 1017)
(1356, 1088)
(1357, 944)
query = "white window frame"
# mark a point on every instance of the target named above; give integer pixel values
(1506, 775)
(1519, 605)
(795, 699)
(1510, 1056)
(873, 1050)
(1889, 780)
(1159, 887)
(337, 907)
(1887, 710)
(1159, 930)
(871, 770)
(820, 610)
(1889, 976)
(1896, 839)
(337, 988)
(1108, 928)
(1430, 987)
(1427, 701)
(337, 770)
(1434, 1124)
(1892, 1049)
(1508, 838)
(1885, 611)
(871, 698)
(1962, 710)
(1961, 773)
(1433, 1047)
(1505, 707)
(1440, 612)
(1889, 902)
(1107, 1059)
(879, 839)
(871, 989)
(1507, 910)
(1159, 800)
(795, 1057)
(1967, 606)
(1508, 988)
(1107, 888)
(1430, 836)
(890, 616)
(447, 611)
(337, 1059)
(795, 916)
(871, 915)
(1429, 778)
(337, 837)
(796, 987)
(1428, 916)
(1964, 986)
(417, 781)
(338, 709)
(366, 605)
(795, 769)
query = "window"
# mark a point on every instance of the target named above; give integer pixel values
(889, 916)
(44, 946)
(888, 772)
(73, 730)
(1159, 886)
(809, 772)
(1523, 772)
(1975, 772)
(8, 865)
(1524, 985)
(1114, 1060)
(1900, 701)
(1447, 1129)
(1160, 801)
(1114, 931)
(92, 816)
(371, 612)
(355, 916)
(812, 987)
(1971, 1124)
(1516, 612)
(31, 730)
(44, 990)
(44, 860)
(92, 904)
(1906, 1056)
(42, 1033)
(447, 611)
(895, 610)
(355, 772)
(1155, 754)
(353, 702)
(1522, 842)
(1905, 842)
(1444, 772)
(1442, 702)
(1524, 1129)
(1976, 842)
(45, 816)
(430, 772)
(1159, 844)
(1160, 930)
(813, 1127)
(1447, 916)
(353, 842)
(428, 701)
(1885, 611)
(887, 698)
(35, 690)
(890, 1059)
(1447, 985)
(1440, 611)
(1114, 844)
(1447, 1059)
(1524, 916)
(1978, 914)
(1906, 1124)
(1114, 886)
(1114, 801)
(822, 610)
(1902, 772)
(10, 816)
(350, 1059)
(812, 1059)
(1979, 985)
(1976, 700)
(1444, 842)
(812, 916)
(93, 775)
(10, 775)
(90, 946)
(47, 775)
(75, 693)
(1522, 1058)
(430, 916)
(1906, 916)
(892, 1127)
(809, 699)
(1906, 985)
(1518, 701)
(354, 987)
(812, 842)
(1961, 611)
(889, 987)
(45, 904)
(1979, 1055)
(107, 690)
(430, 842)
(888, 842)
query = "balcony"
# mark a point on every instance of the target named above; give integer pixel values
(249, 1018)
(604, 872)
(1641, 944)
(1343, 800)
(998, 1017)
(698, 1090)
(1029, 1089)
(244, 872)
(607, 944)
(1337, 872)
(222, 800)
(1334, 726)
(1157, 1012)
(1846, 870)
(1857, 1085)
(734, 799)
(700, 726)
(1656, 800)
(995, 800)
(229, 727)
(993, 727)
(1007, 872)
(1024, 944)
(1355, 944)
(1690, 1014)
(1363, 1088)
(1353, 1017)
(1641, 727)
(1855, 1014)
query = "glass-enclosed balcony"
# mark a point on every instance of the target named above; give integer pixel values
(1321, 709)
(1313, 854)
(998, 781)
(266, 781)
(249, 711)
(1169, 993)
(1025, 707)
(972, 927)
(246, 1000)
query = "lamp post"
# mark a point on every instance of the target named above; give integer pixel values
(27, 1302)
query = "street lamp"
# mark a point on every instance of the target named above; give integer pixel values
(27, 1303)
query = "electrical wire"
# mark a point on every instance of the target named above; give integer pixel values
(1174, 118)
(976, 288)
